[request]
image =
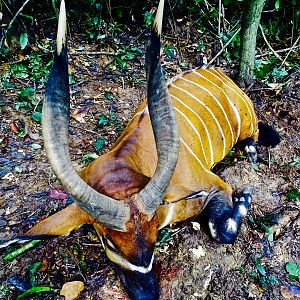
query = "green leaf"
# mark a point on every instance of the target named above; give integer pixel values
(72, 79)
(22, 104)
(11, 255)
(37, 116)
(36, 146)
(293, 269)
(277, 4)
(23, 40)
(22, 133)
(108, 95)
(102, 120)
(27, 94)
(261, 270)
(35, 290)
(32, 269)
(89, 157)
(279, 72)
(294, 194)
(100, 142)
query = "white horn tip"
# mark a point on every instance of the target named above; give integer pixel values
(157, 25)
(62, 28)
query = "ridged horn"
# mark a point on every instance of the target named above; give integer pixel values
(55, 126)
(163, 121)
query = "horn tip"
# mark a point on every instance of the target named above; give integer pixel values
(157, 25)
(62, 28)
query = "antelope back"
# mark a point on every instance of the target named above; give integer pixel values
(212, 115)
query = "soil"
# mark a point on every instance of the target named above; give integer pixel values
(190, 264)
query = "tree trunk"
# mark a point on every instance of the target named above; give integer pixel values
(250, 22)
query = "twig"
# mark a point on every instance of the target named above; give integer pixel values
(224, 47)
(290, 52)
(219, 22)
(94, 53)
(268, 44)
(12, 21)
(83, 129)
(277, 51)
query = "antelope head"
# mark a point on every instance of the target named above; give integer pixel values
(128, 227)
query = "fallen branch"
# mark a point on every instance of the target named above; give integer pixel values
(94, 53)
(270, 47)
(277, 51)
(297, 41)
(224, 47)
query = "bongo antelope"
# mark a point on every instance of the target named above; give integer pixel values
(158, 172)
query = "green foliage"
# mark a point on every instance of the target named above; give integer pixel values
(293, 270)
(35, 290)
(293, 194)
(4, 290)
(100, 143)
(124, 54)
(267, 69)
(33, 67)
(260, 275)
(148, 18)
(110, 120)
(23, 40)
(89, 157)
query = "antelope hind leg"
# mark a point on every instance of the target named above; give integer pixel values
(225, 219)
(60, 223)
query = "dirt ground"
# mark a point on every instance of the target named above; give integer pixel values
(190, 264)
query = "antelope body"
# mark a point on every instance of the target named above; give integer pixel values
(154, 175)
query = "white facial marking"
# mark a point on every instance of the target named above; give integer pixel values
(243, 210)
(231, 225)
(212, 229)
(124, 263)
(242, 199)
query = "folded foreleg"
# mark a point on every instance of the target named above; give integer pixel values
(225, 218)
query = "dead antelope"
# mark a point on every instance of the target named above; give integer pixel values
(159, 170)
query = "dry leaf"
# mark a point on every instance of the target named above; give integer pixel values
(290, 292)
(72, 289)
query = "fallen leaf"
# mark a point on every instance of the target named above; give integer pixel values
(290, 292)
(196, 226)
(14, 127)
(72, 289)
(198, 252)
(57, 194)
(79, 113)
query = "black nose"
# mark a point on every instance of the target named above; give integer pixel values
(140, 286)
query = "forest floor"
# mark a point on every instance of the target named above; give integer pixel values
(190, 264)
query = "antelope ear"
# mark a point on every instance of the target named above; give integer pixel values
(63, 222)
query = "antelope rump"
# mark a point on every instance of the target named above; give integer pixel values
(158, 172)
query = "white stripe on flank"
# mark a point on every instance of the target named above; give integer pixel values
(212, 114)
(236, 90)
(237, 115)
(197, 159)
(218, 103)
(195, 130)
(205, 128)
(169, 216)
(125, 264)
